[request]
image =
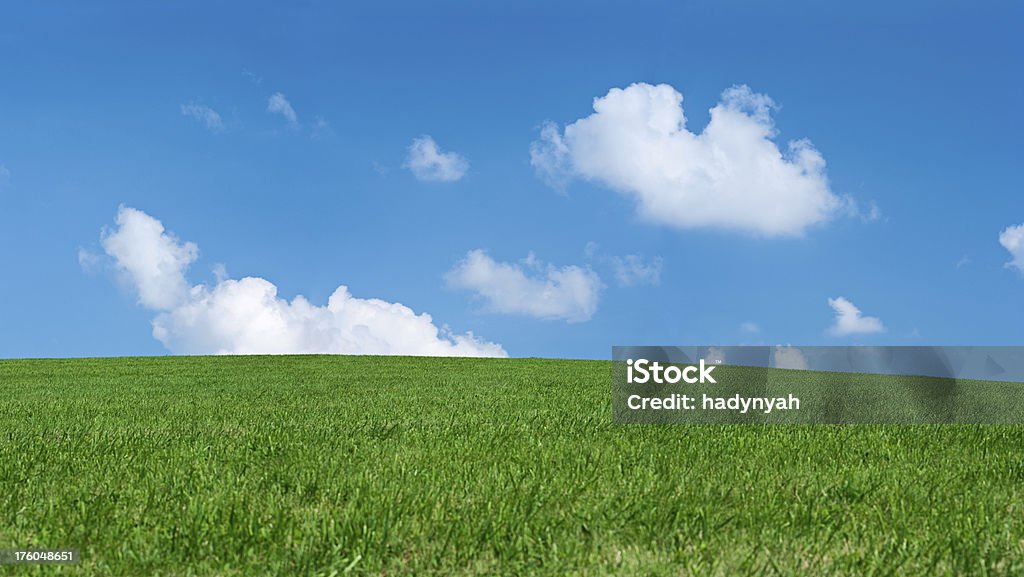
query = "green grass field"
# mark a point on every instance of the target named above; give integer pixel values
(392, 466)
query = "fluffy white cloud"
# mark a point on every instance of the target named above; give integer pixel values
(1012, 239)
(732, 175)
(428, 162)
(530, 287)
(280, 105)
(850, 321)
(152, 260)
(204, 114)
(634, 270)
(789, 358)
(247, 316)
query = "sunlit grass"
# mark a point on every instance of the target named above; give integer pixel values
(371, 466)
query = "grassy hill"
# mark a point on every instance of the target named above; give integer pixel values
(390, 466)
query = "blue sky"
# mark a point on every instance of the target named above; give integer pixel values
(914, 107)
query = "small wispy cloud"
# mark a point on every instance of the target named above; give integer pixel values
(850, 321)
(321, 128)
(749, 328)
(88, 260)
(220, 272)
(380, 169)
(872, 213)
(278, 104)
(204, 115)
(428, 162)
(5, 175)
(252, 77)
(634, 270)
(630, 270)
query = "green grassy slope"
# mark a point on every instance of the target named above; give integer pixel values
(388, 466)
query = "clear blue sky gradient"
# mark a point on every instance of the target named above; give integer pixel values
(916, 106)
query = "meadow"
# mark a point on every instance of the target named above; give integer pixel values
(330, 465)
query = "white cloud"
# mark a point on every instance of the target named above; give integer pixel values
(5, 175)
(247, 316)
(428, 162)
(1012, 239)
(280, 105)
(634, 270)
(850, 321)
(205, 115)
(530, 287)
(732, 175)
(790, 358)
(152, 260)
(749, 328)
